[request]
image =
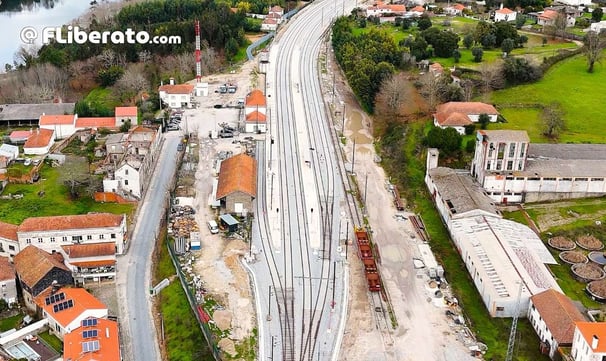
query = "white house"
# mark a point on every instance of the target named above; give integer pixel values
(457, 115)
(512, 170)
(62, 125)
(177, 96)
(269, 24)
(255, 122)
(9, 151)
(50, 233)
(65, 308)
(417, 11)
(90, 262)
(589, 343)
(8, 285)
(454, 10)
(276, 9)
(499, 254)
(548, 17)
(39, 142)
(553, 317)
(505, 14)
(380, 9)
(598, 27)
(9, 244)
(123, 114)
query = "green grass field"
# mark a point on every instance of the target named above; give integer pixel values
(10, 322)
(55, 202)
(52, 340)
(576, 90)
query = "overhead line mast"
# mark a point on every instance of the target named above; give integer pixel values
(198, 57)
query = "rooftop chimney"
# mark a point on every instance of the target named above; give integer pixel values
(172, 81)
(594, 342)
(107, 332)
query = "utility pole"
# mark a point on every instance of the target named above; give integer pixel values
(334, 277)
(346, 239)
(353, 158)
(365, 188)
(269, 305)
(272, 347)
(343, 120)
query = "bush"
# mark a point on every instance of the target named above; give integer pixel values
(448, 140)
(483, 120)
(520, 70)
(469, 129)
(470, 146)
(477, 53)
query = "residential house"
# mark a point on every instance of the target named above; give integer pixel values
(123, 114)
(39, 142)
(460, 114)
(95, 123)
(381, 9)
(255, 122)
(38, 270)
(90, 262)
(134, 157)
(255, 101)
(9, 244)
(276, 9)
(95, 339)
(416, 12)
(237, 186)
(553, 317)
(454, 10)
(62, 125)
(8, 286)
(511, 170)
(11, 152)
(505, 14)
(548, 16)
(598, 27)
(589, 342)
(177, 96)
(50, 233)
(19, 136)
(269, 24)
(66, 308)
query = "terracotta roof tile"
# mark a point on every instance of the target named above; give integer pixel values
(32, 264)
(177, 89)
(55, 223)
(466, 108)
(559, 314)
(453, 119)
(256, 117)
(255, 98)
(57, 119)
(40, 138)
(126, 111)
(20, 134)
(8, 231)
(589, 329)
(94, 264)
(548, 15)
(96, 122)
(418, 9)
(268, 21)
(504, 11)
(82, 300)
(238, 173)
(7, 269)
(89, 250)
(107, 335)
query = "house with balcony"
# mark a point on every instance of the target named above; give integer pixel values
(8, 284)
(176, 96)
(93, 262)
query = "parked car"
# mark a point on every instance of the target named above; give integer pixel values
(180, 147)
(173, 127)
(28, 161)
(224, 134)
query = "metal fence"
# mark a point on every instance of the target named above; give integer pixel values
(208, 335)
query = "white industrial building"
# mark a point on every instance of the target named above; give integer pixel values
(505, 259)
(511, 170)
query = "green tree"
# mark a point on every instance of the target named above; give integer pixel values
(468, 41)
(505, 30)
(507, 45)
(444, 42)
(231, 48)
(124, 128)
(489, 41)
(593, 49)
(447, 140)
(597, 14)
(482, 29)
(477, 53)
(470, 128)
(456, 54)
(470, 146)
(108, 77)
(552, 119)
(520, 20)
(424, 22)
(519, 70)
(83, 109)
(484, 120)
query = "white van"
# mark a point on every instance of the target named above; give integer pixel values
(213, 227)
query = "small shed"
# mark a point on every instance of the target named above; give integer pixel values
(194, 239)
(228, 221)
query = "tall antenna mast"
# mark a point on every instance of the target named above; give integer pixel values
(514, 327)
(198, 57)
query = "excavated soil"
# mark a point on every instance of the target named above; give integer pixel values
(561, 243)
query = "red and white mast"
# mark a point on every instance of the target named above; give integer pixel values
(198, 58)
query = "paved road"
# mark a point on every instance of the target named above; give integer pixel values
(134, 269)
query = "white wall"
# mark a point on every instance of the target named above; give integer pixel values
(62, 131)
(581, 350)
(252, 127)
(582, 186)
(39, 151)
(8, 290)
(128, 178)
(250, 109)
(541, 329)
(505, 17)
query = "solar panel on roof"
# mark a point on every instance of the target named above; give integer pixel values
(70, 303)
(47, 301)
(56, 308)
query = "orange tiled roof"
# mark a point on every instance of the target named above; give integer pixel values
(256, 117)
(94, 264)
(255, 98)
(468, 108)
(238, 173)
(589, 329)
(55, 223)
(7, 269)
(20, 134)
(57, 119)
(107, 335)
(276, 9)
(504, 11)
(270, 22)
(89, 250)
(559, 314)
(177, 89)
(32, 264)
(40, 138)
(126, 111)
(548, 15)
(453, 119)
(418, 9)
(396, 7)
(96, 122)
(82, 301)
(8, 231)
(458, 7)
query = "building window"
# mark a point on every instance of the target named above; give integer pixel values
(28, 240)
(76, 238)
(499, 164)
(510, 165)
(522, 149)
(500, 309)
(581, 179)
(520, 165)
(89, 237)
(512, 150)
(11, 248)
(126, 172)
(40, 240)
(490, 149)
(101, 236)
(566, 179)
(64, 238)
(113, 236)
(52, 239)
(548, 179)
(488, 164)
(597, 179)
(126, 182)
(501, 151)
